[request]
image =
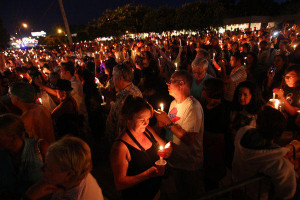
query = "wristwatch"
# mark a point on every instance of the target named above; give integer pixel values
(170, 125)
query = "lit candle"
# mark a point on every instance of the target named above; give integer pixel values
(40, 100)
(176, 66)
(276, 104)
(214, 54)
(161, 106)
(295, 47)
(103, 99)
(21, 76)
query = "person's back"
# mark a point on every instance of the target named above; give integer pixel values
(87, 189)
(36, 118)
(256, 153)
(38, 123)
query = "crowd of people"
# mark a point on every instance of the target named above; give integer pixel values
(213, 105)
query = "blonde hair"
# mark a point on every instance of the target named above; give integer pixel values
(72, 154)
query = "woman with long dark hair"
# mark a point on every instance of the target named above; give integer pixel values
(134, 153)
(246, 104)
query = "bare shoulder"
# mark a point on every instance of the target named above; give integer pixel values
(120, 150)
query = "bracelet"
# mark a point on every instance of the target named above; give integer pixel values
(170, 125)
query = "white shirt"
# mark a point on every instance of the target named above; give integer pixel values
(88, 189)
(77, 94)
(189, 116)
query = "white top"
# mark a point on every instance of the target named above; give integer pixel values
(271, 162)
(77, 94)
(88, 189)
(189, 116)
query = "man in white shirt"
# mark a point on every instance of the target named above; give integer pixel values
(185, 122)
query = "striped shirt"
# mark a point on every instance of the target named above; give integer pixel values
(237, 75)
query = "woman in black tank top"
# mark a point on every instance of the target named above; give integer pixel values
(134, 154)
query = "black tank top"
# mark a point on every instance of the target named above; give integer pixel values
(141, 160)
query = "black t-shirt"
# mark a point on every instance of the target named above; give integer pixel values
(292, 95)
(215, 119)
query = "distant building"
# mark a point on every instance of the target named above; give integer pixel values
(260, 21)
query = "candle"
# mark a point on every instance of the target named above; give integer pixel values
(295, 47)
(176, 66)
(180, 42)
(161, 106)
(21, 76)
(40, 100)
(103, 99)
(161, 149)
(214, 54)
(276, 104)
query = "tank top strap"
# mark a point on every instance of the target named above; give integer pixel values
(119, 140)
(134, 140)
(149, 135)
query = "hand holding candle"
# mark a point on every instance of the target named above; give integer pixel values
(163, 152)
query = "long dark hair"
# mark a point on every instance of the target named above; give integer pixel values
(256, 101)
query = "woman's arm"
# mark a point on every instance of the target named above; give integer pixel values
(119, 160)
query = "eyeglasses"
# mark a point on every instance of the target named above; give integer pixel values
(173, 81)
(289, 77)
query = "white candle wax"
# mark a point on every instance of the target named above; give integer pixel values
(276, 104)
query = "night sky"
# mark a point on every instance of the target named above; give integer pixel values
(44, 14)
(40, 15)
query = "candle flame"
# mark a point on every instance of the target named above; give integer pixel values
(161, 148)
(40, 100)
(161, 106)
(167, 145)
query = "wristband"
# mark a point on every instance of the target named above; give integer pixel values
(170, 125)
